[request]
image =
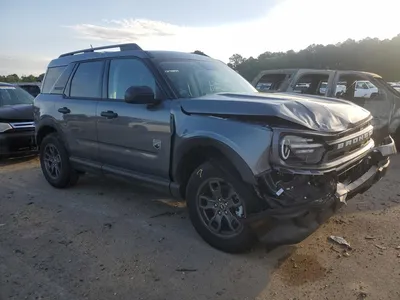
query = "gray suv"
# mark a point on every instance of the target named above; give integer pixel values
(250, 165)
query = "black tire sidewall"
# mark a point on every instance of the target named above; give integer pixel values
(67, 175)
(246, 238)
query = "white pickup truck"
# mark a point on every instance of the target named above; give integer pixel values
(364, 89)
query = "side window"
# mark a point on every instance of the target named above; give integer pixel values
(362, 85)
(312, 84)
(125, 73)
(270, 82)
(87, 80)
(51, 77)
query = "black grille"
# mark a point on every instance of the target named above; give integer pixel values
(338, 146)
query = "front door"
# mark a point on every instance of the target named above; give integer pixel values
(133, 137)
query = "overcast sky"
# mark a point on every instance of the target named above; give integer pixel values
(34, 32)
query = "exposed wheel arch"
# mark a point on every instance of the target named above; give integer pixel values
(43, 132)
(47, 126)
(200, 150)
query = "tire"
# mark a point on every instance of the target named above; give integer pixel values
(66, 176)
(396, 138)
(203, 179)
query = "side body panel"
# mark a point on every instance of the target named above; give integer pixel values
(246, 145)
(139, 139)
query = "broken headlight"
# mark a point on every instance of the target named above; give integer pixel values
(297, 149)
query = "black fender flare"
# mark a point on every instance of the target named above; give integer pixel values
(48, 122)
(190, 144)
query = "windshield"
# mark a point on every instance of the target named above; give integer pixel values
(12, 95)
(196, 78)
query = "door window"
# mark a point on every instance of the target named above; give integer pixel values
(270, 82)
(125, 73)
(362, 86)
(87, 80)
(312, 84)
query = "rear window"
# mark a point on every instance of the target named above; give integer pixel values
(50, 78)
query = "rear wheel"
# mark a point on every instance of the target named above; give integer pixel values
(218, 201)
(55, 164)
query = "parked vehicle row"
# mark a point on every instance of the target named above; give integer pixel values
(249, 165)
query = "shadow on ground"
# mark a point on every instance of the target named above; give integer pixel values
(107, 238)
(16, 160)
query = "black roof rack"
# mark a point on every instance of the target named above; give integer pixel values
(122, 47)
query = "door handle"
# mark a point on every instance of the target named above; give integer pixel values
(64, 110)
(109, 114)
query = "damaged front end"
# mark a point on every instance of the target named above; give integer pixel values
(312, 176)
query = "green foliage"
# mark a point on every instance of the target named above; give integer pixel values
(371, 55)
(13, 78)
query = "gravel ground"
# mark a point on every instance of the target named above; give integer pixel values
(108, 239)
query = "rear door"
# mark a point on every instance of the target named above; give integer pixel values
(77, 109)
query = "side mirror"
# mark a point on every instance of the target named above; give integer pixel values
(140, 95)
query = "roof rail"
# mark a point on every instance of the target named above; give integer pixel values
(122, 47)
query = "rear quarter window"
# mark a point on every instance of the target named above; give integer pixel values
(51, 78)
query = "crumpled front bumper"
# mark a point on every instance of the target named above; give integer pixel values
(293, 224)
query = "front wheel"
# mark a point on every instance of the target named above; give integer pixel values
(217, 201)
(55, 164)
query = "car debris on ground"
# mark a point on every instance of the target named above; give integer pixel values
(380, 247)
(341, 241)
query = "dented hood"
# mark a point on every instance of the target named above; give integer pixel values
(313, 112)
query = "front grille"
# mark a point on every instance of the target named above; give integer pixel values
(348, 142)
(19, 126)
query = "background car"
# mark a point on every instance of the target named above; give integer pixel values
(16, 121)
(32, 88)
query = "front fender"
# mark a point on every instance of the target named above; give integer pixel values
(48, 122)
(247, 146)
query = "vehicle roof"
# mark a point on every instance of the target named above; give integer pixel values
(28, 83)
(6, 84)
(65, 60)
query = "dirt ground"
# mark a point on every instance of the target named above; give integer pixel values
(108, 239)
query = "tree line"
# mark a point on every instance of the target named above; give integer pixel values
(372, 55)
(13, 78)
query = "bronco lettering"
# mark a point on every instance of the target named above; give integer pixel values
(354, 141)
